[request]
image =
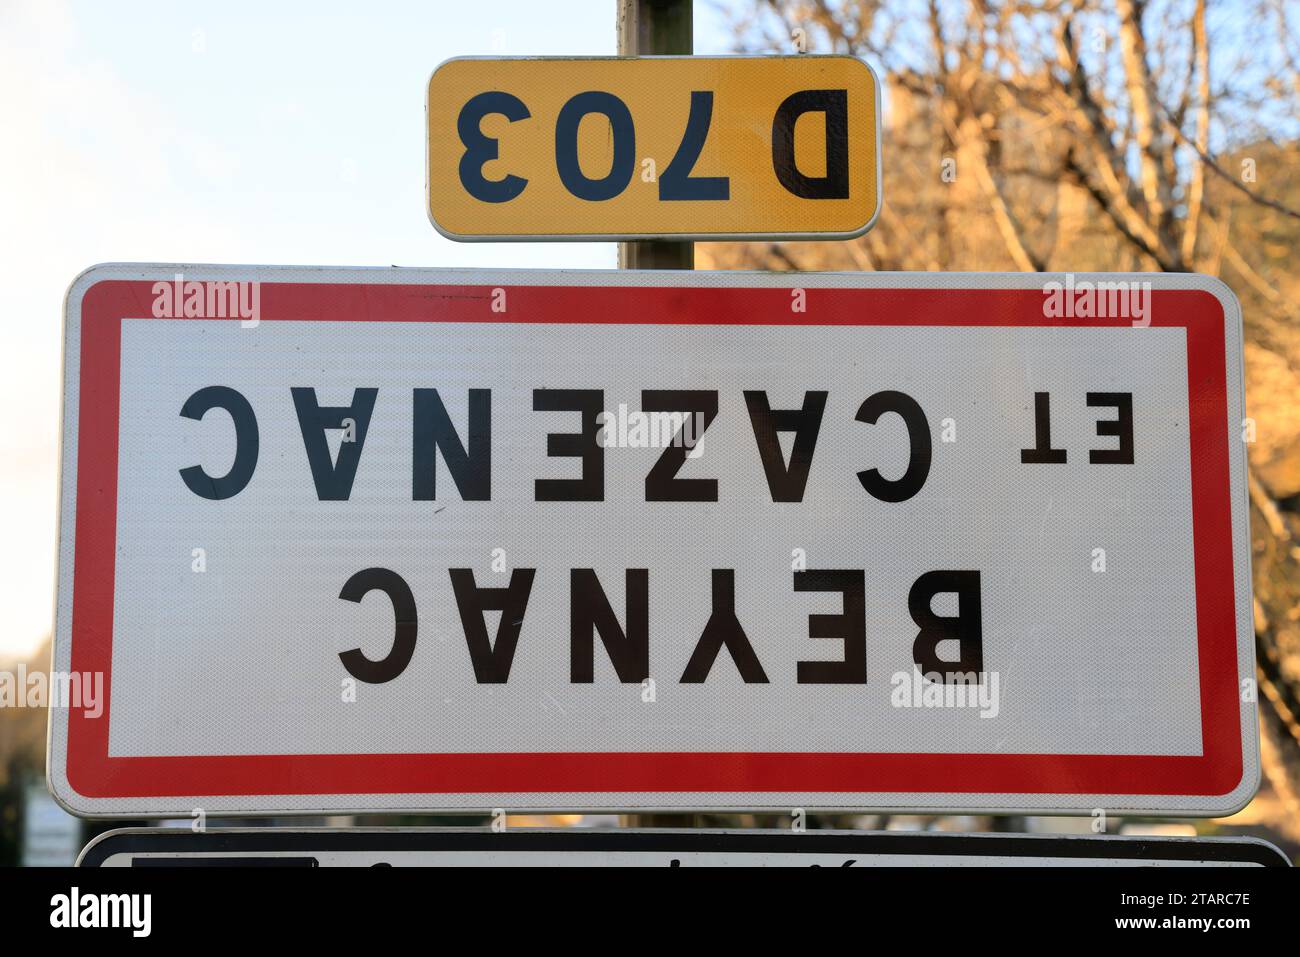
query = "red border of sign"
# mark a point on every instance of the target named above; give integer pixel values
(93, 773)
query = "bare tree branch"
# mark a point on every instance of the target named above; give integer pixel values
(1196, 188)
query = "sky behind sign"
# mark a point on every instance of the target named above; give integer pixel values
(241, 133)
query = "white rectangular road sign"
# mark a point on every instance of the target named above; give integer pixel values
(339, 539)
(584, 847)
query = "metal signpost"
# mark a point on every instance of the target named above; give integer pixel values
(656, 28)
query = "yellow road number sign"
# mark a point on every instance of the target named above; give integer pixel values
(654, 147)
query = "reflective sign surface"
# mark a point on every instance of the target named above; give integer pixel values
(659, 146)
(435, 539)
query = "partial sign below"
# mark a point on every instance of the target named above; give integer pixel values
(579, 847)
(50, 835)
(654, 147)
(345, 540)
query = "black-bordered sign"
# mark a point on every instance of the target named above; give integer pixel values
(446, 847)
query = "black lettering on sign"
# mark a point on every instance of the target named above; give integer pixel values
(676, 181)
(834, 105)
(404, 632)
(1042, 453)
(480, 149)
(584, 445)
(472, 470)
(622, 133)
(333, 479)
(1121, 427)
(850, 627)
(246, 442)
(785, 481)
(701, 408)
(723, 630)
(492, 661)
(919, 442)
(590, 612)
(965, 627)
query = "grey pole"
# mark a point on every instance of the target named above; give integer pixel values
(648, 27)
